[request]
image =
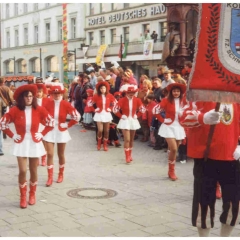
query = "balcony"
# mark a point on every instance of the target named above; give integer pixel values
(113, 49)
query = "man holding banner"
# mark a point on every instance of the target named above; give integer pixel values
(212, 116)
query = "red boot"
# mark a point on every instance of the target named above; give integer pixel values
(127, 156)
(117, 143)
(50, 175)
(105, 148)
(99, 143)
(23, 195)
(218, 191)
(44, 158)
(130, 154)
(60, 174)
(171, 170)
(32, 197)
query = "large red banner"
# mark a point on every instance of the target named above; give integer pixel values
(215, 74)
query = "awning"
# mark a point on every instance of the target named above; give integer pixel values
(19, 78)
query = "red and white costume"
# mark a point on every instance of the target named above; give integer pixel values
(27, 124)
(129, 108)
(104, 107)
(170, 127)
(60, 109)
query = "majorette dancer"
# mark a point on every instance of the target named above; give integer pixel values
(221, 166)
(59, 109)
(42, 101)
(171, 129)
(27, 116)
(127, 109)
(104, 102)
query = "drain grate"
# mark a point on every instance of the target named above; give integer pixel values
(92, 193)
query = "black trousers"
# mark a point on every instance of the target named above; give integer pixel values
(113, 134)
(206, 175)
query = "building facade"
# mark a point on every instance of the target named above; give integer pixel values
(105, 24)
(30, 28)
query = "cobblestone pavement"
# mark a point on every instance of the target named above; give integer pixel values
(148, 204)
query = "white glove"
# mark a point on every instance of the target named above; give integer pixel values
(38, 136)
(16, 137)
(236, 154)
(64, 125)
(97, 109)
(109, 110)
(124, 117)
(156, 110)
(167, 120)
(90, 104)
(211, 117)
(135, 116)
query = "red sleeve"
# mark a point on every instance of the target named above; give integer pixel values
(94, 98)
(75, 116)
(117, 107)
(5, 120)
(46, 119)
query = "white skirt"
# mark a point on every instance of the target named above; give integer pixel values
(103, 116)
(56, 136)
(129, 124)
(174, 130)
(28, 148)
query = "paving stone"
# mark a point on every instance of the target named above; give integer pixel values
(101, 230)
(45, 208)
(20, 212)
(67, 224)
(13, 233)
(63, 219)
(133, 233)
(125, 225)
(182, 233)
(42, 216)
(139, 212)
(19, 219)
(118, 216)
(5, 214)
(5, 228)
(60, 214)
(155, 230)
(68, 233)
(40, 230)
(177, 225)
(24, 225)
(93, 220)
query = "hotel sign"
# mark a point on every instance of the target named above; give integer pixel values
(128, 15)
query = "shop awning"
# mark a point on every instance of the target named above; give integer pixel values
(19, 78)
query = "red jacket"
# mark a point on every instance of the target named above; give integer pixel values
(64, 109)
(123, 105)
(110, 100)
(226, 133)
(150, 107)
(17, 116)
(89, 105)
(169, 110)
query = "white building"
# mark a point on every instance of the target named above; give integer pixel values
(27, 27)
(106, 22)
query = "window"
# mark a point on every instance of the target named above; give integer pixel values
(36, 34)
(15, 9)
(16, 38)
(100, 7)
(90, 38)
(113, 35)
(102, 37)
(36, 65)
(10, 66)
(163, 30)
(25, 7)
(35, 6)
(52, 64)
(7, 10)
(47, 5)
(25, 36)
(126, 34)
(22, 66)
(146, 27)
(59, 30)
(47, 32)
(91, 8)
(8, 39)
(126, 5)
(112, 6)
(73, 27)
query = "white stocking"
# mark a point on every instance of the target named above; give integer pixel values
(226, 230)
(203, 232)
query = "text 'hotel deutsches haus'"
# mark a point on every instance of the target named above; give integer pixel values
(28, 28)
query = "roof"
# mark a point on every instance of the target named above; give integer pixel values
(28, 78)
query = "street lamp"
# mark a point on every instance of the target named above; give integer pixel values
(75, 65)
(13, 64)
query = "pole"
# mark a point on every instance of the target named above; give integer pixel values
(121, 48)
(65, 44)
(13, 65)
(40, 62)
(75, 59)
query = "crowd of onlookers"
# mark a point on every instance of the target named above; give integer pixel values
(150, 90)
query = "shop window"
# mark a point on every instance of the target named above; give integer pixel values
(163, 30)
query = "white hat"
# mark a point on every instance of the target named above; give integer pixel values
(115, 64)
(103, 65)
(108, 77)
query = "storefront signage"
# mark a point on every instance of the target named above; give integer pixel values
(34, 51)
(123, 16)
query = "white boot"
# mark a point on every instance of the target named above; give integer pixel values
(203, 232)
(226, 230)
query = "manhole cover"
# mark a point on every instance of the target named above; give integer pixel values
(92, 193)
